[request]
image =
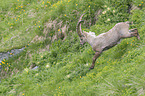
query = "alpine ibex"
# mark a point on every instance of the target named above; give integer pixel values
(106, 40)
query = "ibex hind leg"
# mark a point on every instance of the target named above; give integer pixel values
(135, 33)
(132, 33)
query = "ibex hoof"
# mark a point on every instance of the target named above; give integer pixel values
(91, 68)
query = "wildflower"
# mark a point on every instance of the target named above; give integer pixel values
(76, 4)
(0, 64)
(16, 7)
(43, 2)
(45, 5)
(41, 56)
(108, 8)
(65, 15)
(26, 69)
(35, 24)
(113, 11)
(86, 64)
(18, 0)
(139, 4)
(23, 94)
(89, 6)
(36, 74)
(39, 26)
(59, 87)
(105, 5)
(3, 62)
(21, 6)
(58, 29)
(47, 66)
(68, 76)
(108, 19)
(80, 77)
(104, 12)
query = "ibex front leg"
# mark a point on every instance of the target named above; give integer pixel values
(97, 54)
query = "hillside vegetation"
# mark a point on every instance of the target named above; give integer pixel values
(47, 30)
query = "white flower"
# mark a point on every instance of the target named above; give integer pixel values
(26, 69)
(103, 12)
(68, 76)
(36, 74)
(86, 64)
(113, 11)
(108, 19)
(105, 5)
(108, 8)
(47, 66)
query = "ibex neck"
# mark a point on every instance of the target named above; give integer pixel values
(90, 37)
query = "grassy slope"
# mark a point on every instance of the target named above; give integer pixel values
(64, 69)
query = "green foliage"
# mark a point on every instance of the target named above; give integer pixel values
(63, 68)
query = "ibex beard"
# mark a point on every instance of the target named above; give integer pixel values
(106, 40)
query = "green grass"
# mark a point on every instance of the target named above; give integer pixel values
(63, 69)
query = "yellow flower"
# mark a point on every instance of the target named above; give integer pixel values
(3, 62)
(139, 4)
(23, 94)
(45, 5)
(58, 29)
(89, 6)
(76, 4)
(0, 64)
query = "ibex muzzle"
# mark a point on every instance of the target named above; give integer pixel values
(106, 40)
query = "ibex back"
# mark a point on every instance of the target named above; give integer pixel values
(106, 40)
